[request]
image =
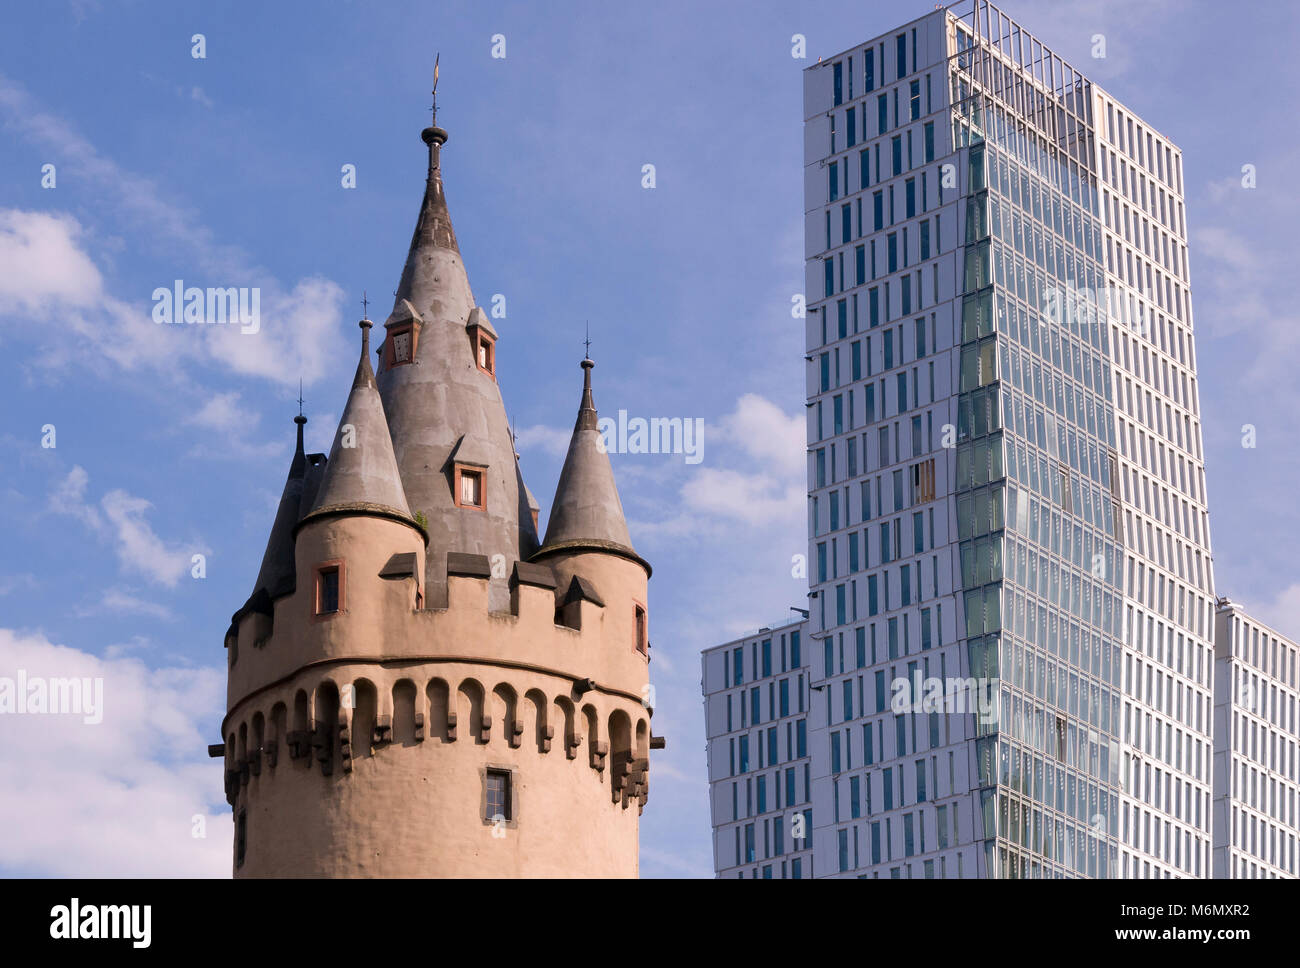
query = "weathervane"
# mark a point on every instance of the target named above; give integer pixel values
(436, 57)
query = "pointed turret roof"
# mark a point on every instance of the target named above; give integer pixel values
(433, 279)
(441, 407)
(361, 473)
(276, 576)
(587, 511)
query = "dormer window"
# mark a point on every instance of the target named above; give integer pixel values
(469, 485)
(401, 351)
(403, 335)
(486, 354)
(482, 339)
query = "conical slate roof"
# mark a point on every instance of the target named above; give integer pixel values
(361, 473)
(587, 509)
(442, 405)
(276, 576)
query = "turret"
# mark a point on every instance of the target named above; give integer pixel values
(587, 543)
(277, 575)
(360, 518)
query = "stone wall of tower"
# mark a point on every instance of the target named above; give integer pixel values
(357, 743)
(621, 582)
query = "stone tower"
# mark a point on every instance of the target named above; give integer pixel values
(416, 687)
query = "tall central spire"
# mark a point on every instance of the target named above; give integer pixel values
(444, 409)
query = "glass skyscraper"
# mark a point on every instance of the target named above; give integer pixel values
(1010, 646)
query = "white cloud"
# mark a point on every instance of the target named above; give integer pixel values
(137, 545)
(1236, 268)
(233, 425)
(69, 497)
(222, 411)
(120, 797)
(1131, 31)
(549, 440)
(755, 498)
(47, 277)
(120, 602)
(758, 479)
(755, 476)
(12, 583)
(42, 266)
(1282, 613)
(300, 331)
(762, 430)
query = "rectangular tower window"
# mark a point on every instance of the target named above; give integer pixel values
(498, 801)
(241, 838)
(642, 634)
(329, 588)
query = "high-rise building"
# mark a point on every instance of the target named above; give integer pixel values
(1011, 640)
(1257, 742)
(756, 693)
(417, 687)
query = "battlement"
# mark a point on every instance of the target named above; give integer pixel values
(581, 618)
(349, 692)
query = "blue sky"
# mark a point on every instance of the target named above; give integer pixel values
(226, 171)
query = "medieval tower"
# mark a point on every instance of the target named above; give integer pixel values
(418, 687)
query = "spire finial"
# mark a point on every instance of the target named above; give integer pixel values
(365, 325)
(365, 373)
(300, 396)
(365, 305)
(587, 409)
(587, 342)
(434, 136)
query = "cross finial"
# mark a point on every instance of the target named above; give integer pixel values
(365, 305)
(587, 342)
(300, 397)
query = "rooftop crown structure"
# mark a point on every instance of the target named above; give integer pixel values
(416, 688)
